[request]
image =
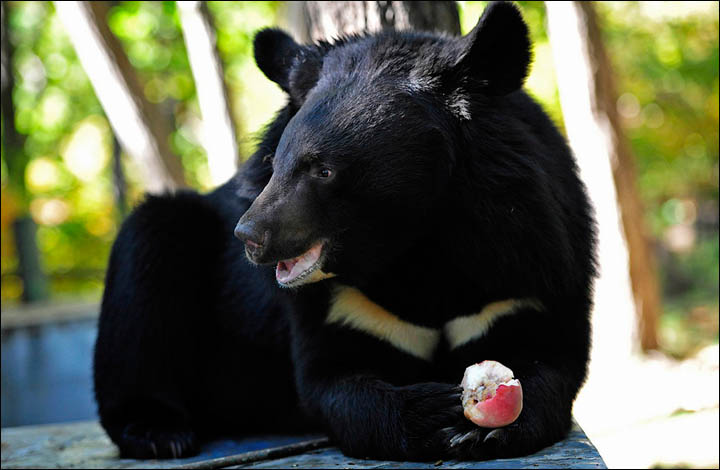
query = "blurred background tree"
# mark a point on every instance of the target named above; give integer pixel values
(666, 63)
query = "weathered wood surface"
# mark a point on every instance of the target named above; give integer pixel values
(85, 445)
(44, 313)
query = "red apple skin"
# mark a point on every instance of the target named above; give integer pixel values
(498, 411)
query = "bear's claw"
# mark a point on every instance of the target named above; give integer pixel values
(143, 442)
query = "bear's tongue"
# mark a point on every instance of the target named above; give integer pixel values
(290, 269)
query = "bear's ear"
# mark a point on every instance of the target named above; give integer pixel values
(496, 53)
(275, 52)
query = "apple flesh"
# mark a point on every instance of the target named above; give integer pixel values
(491, 397)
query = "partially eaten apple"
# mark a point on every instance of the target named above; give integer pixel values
(491, 397)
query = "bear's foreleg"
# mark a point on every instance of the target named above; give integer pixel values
(368, 417)
(547, 350)
(545, 418)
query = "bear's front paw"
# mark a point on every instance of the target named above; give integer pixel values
(476, 443)
(141, 441)
(428, 409)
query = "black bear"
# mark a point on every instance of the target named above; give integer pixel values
(410, 212)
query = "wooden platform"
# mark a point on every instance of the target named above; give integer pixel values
(85, 445)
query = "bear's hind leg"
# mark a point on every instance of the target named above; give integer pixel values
(155, 322)
(150, 430)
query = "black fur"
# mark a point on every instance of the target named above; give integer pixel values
(450, 189)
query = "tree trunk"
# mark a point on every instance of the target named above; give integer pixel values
(628, 287)
(35, 285)
(140, 126)
(314, 21)
(119, 182)
(218, 137)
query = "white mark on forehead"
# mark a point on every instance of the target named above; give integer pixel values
(464, 329)
(351, 308)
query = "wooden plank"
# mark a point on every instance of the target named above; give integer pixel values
(85, 445)
(576, 451)
(43, 313)
(259, 455)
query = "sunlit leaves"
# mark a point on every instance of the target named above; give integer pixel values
(54, 105)
(86, 152)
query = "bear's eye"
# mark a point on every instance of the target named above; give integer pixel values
(322, 173)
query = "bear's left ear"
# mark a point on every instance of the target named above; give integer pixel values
(275, 52)
(294, 67)
(496, 53)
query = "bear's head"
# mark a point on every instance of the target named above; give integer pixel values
(362, 167)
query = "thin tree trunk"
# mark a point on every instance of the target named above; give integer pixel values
(140, 126)
(119, 182)
(313, 21)
(35, 285)
(219, 137)
(588, 96)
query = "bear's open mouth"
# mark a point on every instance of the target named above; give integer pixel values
(298, 270)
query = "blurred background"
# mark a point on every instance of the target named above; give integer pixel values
(93, 117)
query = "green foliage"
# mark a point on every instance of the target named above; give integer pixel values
(64, 165)
(667, 70)
(666, 64)
(52, 99)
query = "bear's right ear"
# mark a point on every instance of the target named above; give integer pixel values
(275, 52)
(496, 52)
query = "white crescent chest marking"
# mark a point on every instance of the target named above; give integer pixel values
(464, 329)
(351, 308)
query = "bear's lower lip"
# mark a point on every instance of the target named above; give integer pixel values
(291, 272)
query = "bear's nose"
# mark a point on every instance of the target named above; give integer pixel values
(253, 238)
